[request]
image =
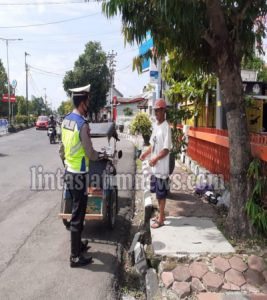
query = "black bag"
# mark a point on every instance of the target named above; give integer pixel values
(171, 162)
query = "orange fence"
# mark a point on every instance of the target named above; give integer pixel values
(210, 148)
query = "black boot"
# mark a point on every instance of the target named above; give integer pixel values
(75, 243)
(77, 260)
(84, 245)
(80, 261)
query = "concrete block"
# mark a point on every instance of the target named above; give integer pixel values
(193, 166)
(135, 240)
(196, 172)
(152, 285)
(148, 213)
(140, 258)
(127, 297)
(186, 129)
(148, 201)
(182, 158)
(187, 161)
(146, 193)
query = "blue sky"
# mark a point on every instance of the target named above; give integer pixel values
(54, 48)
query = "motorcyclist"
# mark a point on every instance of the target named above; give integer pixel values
(52, 125)
(52, 122)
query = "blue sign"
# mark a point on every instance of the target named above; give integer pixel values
(143, 49)
(154, 74)
(14, 83)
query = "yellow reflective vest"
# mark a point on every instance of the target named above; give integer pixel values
(76, 160)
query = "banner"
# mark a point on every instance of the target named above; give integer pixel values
(12, 98)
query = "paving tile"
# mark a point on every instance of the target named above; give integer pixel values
(220, 264)
(210, 296)
(212, 281)
(167, 279)
(256, 263)
(197, 285)
(182, 289)
(235, 277)
(230, 287)
(198, 269)
(235, 296)
(254, 278)
(238, 264)
(249, 288)
(171, 295)
(181, 273)
(258, 297)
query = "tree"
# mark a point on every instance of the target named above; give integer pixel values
(65, 107)
(21, 105)
(91, 67)
(3, 90)
(214, 36)
(38, 107)
(128, 111)
(257, 64)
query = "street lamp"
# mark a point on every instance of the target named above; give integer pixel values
(27, 101)
(8, 86)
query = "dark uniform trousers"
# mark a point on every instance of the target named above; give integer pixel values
(77, 186)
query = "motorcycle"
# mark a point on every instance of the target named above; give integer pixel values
(51, 132)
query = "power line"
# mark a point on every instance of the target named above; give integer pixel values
(124, 68)
(47, 3)
(50, 23)
(47, 74)
(33, 84)
(45, 71)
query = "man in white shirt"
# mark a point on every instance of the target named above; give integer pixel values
(160, 146)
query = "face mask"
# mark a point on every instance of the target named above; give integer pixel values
(85, 108)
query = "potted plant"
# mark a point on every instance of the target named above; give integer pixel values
(142, 124)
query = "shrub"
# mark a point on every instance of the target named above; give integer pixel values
(21, 119)
(141, 124)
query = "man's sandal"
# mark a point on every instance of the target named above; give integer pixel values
(154, 219)
(157, 224)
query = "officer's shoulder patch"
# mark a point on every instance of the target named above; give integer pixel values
(69, 124)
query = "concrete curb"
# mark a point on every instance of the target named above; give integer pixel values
(140, 259)
(152, 285)
(147, 200)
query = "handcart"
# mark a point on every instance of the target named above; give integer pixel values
(102, 203)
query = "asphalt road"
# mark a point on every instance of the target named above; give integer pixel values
(34, 244)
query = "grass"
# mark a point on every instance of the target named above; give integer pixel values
(248, 245)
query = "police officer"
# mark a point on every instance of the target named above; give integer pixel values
(77, 150)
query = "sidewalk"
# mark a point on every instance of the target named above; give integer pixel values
(197, 262)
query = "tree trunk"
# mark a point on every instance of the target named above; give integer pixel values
(225, 53)
(237, 223)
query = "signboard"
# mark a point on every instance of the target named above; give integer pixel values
(14, 84)
(12, 98)
(154, 76)
(143, 49)
(249, 75)
(254, 88)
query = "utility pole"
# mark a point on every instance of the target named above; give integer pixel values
(45, 100)
(112, 65)
(27, 101)
(8, 84)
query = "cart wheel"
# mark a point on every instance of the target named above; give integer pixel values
(112, 209)
(66, 223)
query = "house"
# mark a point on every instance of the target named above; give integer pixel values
(105, 113)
